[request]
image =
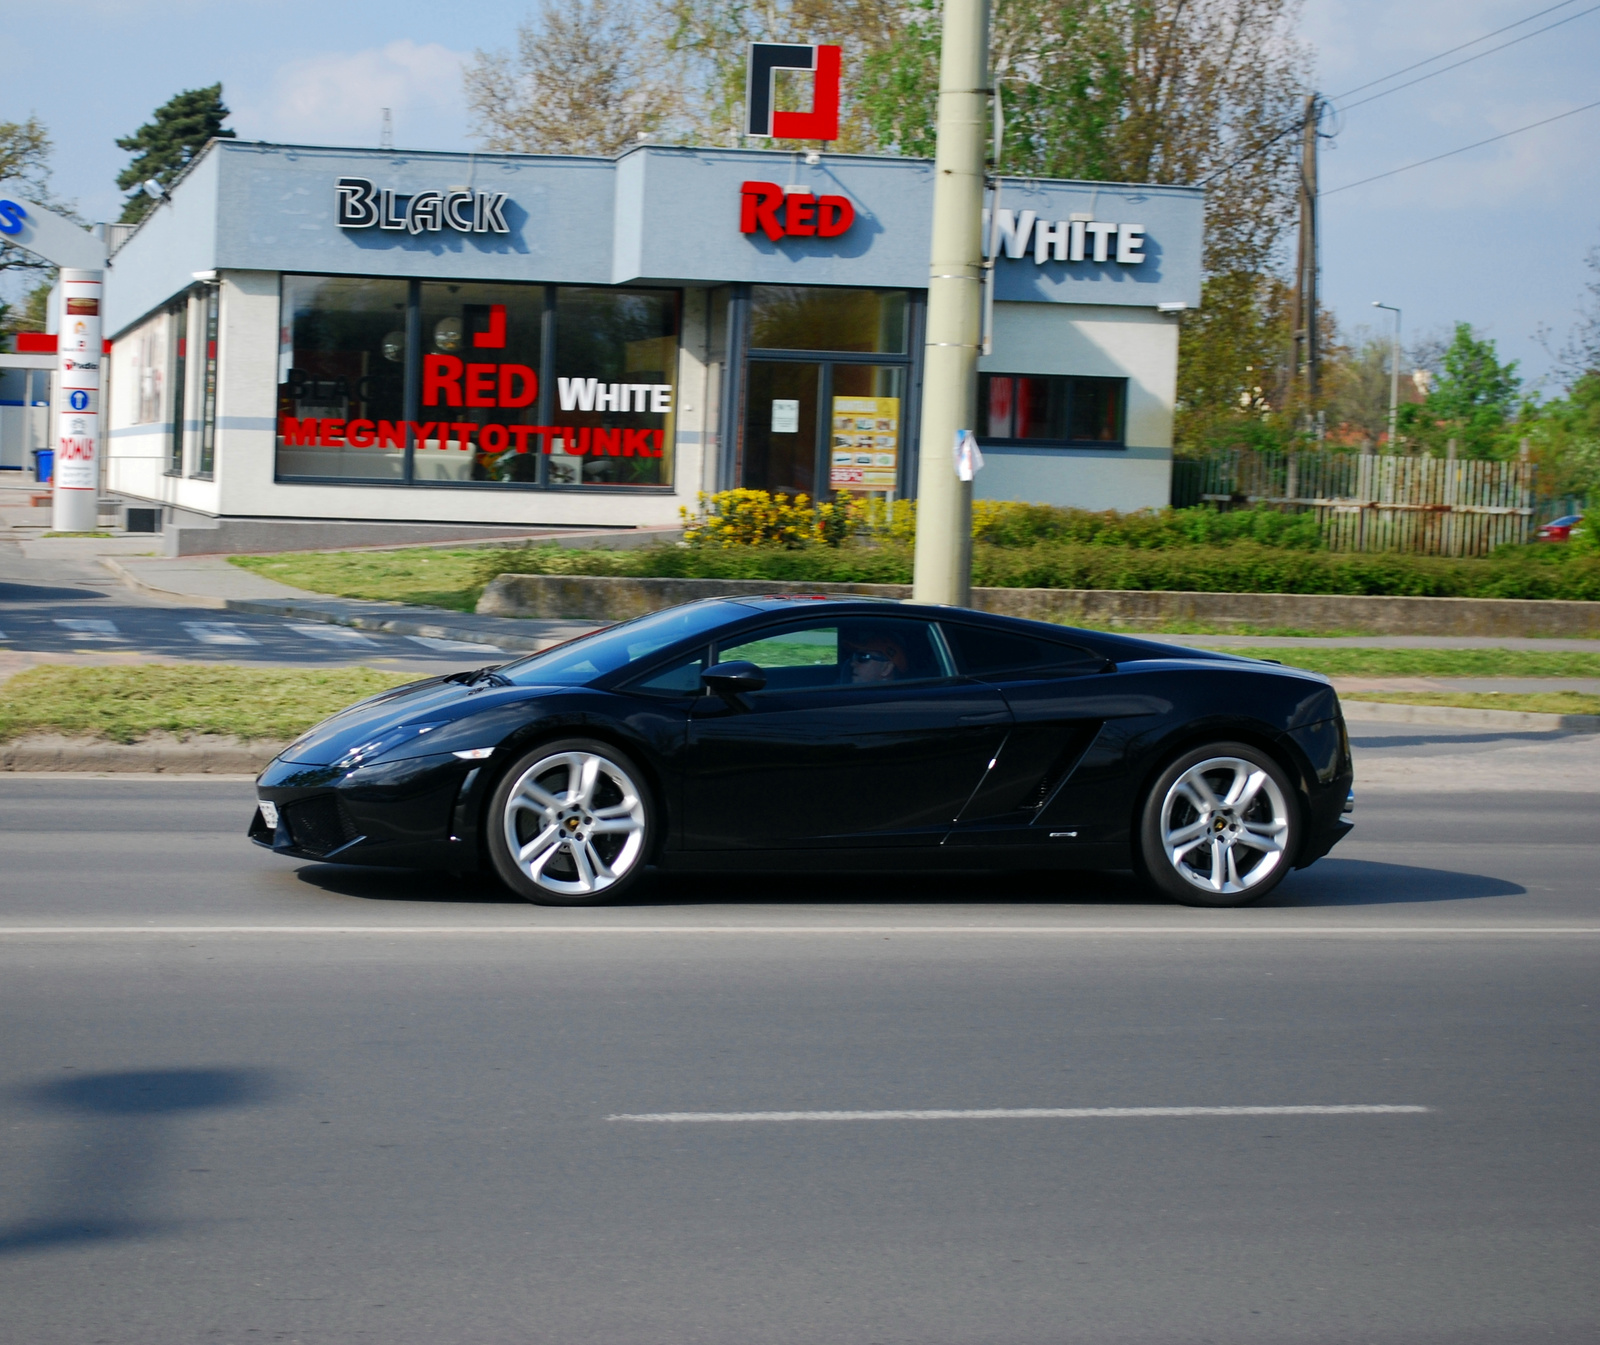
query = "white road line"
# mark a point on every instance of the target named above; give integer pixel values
(92, 628)
(454, 646)
(331, 634)
(1018, 1114)
(217, 632)
(801, 931)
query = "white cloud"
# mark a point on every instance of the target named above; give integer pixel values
(337, 98)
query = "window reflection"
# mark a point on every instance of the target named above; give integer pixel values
(1051, 408)
(341, 378)
(809, 317)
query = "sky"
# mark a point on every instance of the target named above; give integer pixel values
(1495, 237)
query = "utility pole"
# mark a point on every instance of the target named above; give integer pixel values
(943, 568)
(1306, 354)
(1394, 378)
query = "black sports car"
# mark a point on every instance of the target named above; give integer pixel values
(815, 733)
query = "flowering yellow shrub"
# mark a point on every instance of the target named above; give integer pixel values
(734, 518)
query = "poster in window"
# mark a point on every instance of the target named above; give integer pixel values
(864, 443)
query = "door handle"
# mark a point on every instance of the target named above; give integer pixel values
(992, 717)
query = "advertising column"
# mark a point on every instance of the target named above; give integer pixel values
(79, 344)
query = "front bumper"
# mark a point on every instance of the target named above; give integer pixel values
(419, 812)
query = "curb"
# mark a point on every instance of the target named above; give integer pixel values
(1393, 712)
(380, 620)
(159, 755)
(140, 586)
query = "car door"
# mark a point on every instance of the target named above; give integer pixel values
(1060, 695)
(863, 737)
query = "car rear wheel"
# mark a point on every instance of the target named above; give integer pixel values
(1219, 826)
(570, 824)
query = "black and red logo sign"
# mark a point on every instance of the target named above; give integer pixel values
(766, 59)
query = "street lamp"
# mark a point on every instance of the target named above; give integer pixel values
(1394, 376)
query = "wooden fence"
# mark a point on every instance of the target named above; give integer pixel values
(1374, 502)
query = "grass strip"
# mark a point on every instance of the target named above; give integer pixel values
(126, 704)
(1385, 662)
(420, 575)
(1536, 702)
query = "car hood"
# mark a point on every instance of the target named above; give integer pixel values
(412, 720)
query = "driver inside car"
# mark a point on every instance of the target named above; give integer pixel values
(876, 657)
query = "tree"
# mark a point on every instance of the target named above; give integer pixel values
(586, 78)
(25, 157)
(1472, 400)
(1580, 355)
(178, 130)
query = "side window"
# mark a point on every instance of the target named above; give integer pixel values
(850, 651)
(677, 679)
(981, 652)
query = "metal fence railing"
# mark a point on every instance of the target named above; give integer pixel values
(1374, 502)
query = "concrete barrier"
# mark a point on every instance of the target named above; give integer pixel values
(608, 598)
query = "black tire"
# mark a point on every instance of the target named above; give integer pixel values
(594, 849)
(1188, 812)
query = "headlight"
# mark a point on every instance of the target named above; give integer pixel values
(374, 748)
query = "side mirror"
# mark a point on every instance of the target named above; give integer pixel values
(733, 679)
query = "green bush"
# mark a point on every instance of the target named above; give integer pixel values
(1243, 566)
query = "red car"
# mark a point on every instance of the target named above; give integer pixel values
(1559, 529)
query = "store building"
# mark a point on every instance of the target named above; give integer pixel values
(514, 340)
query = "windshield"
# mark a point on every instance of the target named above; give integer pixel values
(606, 651)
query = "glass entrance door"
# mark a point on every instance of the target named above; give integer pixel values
(782, 399)
(819, 427)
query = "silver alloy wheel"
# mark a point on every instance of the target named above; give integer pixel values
(1223, 825)
(575, 823)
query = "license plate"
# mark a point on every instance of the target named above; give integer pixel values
(269, 813)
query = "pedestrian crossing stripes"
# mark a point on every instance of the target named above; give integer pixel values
(90, 628)
(218, 632)
(454, 646)
(333, 634)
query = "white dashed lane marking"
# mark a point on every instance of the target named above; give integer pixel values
(1025, 1113)
(218, 632)
(90, 628)
(454, 646)
(332, 634)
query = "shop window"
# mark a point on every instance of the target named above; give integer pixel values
(1044, 410)
(208, 386)
(814, 317)
(341, 378)
(180, 374)
(479, 371)
(148, 370)
(613, 406)
(480, 400)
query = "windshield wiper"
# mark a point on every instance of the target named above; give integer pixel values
(490, 674)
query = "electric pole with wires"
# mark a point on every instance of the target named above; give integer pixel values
(1303, 316)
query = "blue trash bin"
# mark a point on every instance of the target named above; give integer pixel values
(44, 463)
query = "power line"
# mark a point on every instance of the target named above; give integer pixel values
(1438, 56)
(1572, 112)
(1406, 69)
(1465, 60)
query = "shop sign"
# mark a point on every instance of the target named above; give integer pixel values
(361, 204)
(864, 443)
(470, 436)
(764, 61)
(79, 346)
(1076, 239)
(792, 214)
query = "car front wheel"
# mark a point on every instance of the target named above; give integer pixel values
(1219, 826)
(570, 824)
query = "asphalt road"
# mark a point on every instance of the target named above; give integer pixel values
(247, 1099)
